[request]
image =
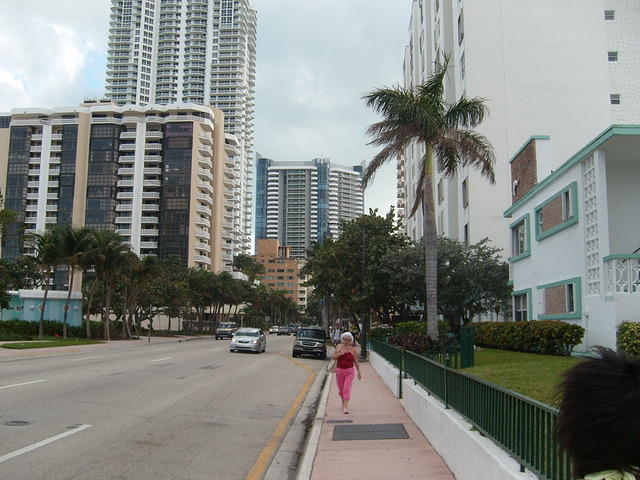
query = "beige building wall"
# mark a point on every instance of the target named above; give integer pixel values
(281, 271)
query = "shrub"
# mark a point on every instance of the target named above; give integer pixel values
(414, 342)
(550, 337)
(629, 338)
(23, 330)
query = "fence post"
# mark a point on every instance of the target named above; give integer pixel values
(446, 387)
(401, 373)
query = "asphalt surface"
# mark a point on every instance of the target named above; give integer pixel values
(188, 410)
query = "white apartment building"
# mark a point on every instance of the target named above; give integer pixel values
(300, 203)
(574, 242)
(191, 51)
(155, 174)
(566, 69)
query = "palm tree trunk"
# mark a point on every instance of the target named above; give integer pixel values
(107, 311)
(44, 304)
(92, 292)
(66, 305)
(430, 247)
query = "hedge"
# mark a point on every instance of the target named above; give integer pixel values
(550, 337)
(629, 338)
(22, 330)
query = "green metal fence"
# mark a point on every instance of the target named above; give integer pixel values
(522, 426)
(457, 351)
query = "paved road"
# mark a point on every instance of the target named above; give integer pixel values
(139, 411)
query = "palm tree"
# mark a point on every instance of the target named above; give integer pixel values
(46, 255)
(108, 255)
(422, 115)
(73, 246)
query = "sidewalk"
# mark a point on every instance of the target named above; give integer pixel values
(373, 403)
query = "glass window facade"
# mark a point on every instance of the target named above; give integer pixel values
(261, 197)
(175, 191)
(100, 211)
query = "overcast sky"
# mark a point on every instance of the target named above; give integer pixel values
(315, 60)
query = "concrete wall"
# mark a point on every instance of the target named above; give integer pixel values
(469, 455)
(25, 305)
(623, 201)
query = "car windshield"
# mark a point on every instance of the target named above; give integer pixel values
(226, 325)
(247, 333)
(317, 334)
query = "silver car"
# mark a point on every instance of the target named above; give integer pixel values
(249, 339)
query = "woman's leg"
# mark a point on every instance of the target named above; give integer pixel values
(350, 375)
(340, 378)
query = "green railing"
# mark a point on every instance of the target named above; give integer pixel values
(522, 426)
(457, 351)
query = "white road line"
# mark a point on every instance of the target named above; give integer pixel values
(161, 359)
(85, 358)
(24, 383)
(15, 453)
(158, 349)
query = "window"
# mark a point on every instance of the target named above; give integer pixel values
(561, 300)
(520, 239)
(521, 306)
(465, 193)
(557, 213)
(612, 56)
(466, 233)
(440, 192)
(609, 14)
(462, 66)
(614, 98)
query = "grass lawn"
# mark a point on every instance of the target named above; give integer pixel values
(49, 342)
(530, 374)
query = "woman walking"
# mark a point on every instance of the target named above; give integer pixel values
(346, 355)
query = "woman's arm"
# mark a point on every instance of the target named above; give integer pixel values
(337, 351)
(356, 354)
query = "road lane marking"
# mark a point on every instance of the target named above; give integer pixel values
(47, 441)
(23, 383)
(158, 349)
(161, 359)
(258, 469)
(86, 358)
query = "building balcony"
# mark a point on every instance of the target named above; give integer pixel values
(128, 147)
(148, 245)
(203, 197)
(151, 195)
(126, 159)
(152, 171)
(153, 146)
(205, 161)
(149, 220)
(123, 219)
(149, 232)
(203, 222)
(124, 232)
(205, 173)
(152, 183)
(202, 234)
(203, 210)
(128, 135)
(153, 158)
(153, 134)
(125, 171)
(150, 207)
(125, 183)
(202, 259)
(124, 207)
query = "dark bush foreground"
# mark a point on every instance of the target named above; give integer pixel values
(21, 330)
(629, 338)
(550, 337)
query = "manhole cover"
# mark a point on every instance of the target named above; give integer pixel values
(16, 423)
(380, 431)
(339, 421)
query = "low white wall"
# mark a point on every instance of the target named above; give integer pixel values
(387, 372)
(469, 455)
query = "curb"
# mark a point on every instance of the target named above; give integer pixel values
(306, 462)
(286, 459)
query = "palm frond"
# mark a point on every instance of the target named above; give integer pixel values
(376, 162)
(466, 113)
(419, 190)
(434, 86)
(387, 101)
(471, 148)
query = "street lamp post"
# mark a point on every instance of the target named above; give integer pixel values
(365, 317)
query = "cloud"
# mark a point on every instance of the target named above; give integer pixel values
(46, 47)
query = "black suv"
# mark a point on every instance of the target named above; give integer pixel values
(310, 341)
(226, 330)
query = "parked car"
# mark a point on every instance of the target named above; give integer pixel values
(284, 330)
(310, 341)
(226, 330)
(248, 339)
(273, 329)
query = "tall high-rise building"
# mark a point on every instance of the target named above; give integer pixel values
(566, 69)
(153, 174)
(299, 203)
(191, 51)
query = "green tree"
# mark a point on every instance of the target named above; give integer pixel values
(108, 256)
(422, 115)
(72, 245)
(247, 265)
(45, 246)
(472, 280)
